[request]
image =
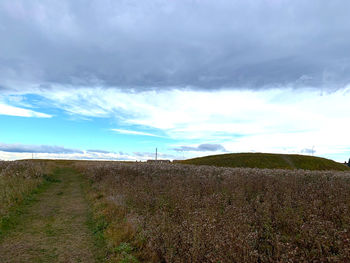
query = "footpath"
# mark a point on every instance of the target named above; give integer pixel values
(54, 227)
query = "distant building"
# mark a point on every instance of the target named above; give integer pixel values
(158, 161)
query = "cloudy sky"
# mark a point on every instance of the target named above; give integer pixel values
(103, 79)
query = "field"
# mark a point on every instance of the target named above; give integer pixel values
(183, 213)
(139, 212)
(268, 160)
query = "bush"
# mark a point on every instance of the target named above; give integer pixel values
(183, 213)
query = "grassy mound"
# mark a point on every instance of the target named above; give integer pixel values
(268, 160)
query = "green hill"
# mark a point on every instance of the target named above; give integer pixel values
(268, 160)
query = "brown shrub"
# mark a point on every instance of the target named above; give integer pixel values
(184, 213)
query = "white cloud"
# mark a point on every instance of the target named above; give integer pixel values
(122, 131)
(205, 147)
(274, 120)
(16, 111)
(83, 155)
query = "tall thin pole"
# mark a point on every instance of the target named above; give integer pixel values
(156, 154)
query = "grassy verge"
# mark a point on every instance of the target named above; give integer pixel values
(114, 237)
(95, 224)
(14, 214)
(13, 189)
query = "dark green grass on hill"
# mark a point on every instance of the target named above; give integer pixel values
(268, 160)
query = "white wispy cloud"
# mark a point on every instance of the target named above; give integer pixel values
(274, 120)
(205, 147)
(20, 112)
(81, 155)
(131, 132)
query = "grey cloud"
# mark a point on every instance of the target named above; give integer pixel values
(22, 148)
(308, 150)
(161, 44)
(143, 154)
(206, 147)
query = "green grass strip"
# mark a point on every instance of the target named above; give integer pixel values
(15, 215)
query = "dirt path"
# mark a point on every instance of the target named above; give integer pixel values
(53, 229)
(289, 161)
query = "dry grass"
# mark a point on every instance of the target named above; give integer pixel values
(17, 179)
(183, 213)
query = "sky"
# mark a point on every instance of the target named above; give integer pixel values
(113, 80)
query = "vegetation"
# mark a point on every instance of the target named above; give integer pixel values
(142, 212)
(183, 213)
(269, 161)
(111, 230)
(17, 180)
(50, 225)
